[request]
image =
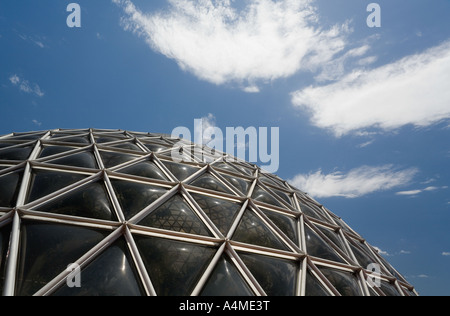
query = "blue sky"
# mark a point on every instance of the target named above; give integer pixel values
(363, 112)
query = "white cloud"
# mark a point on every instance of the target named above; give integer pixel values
(215, 41)
(405, 252)
(26, 86)
(446, 254)
(357, 182)
(36, 122)
(413, 90)
(418, 191)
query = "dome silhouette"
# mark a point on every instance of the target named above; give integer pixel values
(108, 212)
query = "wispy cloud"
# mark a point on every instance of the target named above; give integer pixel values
(33, 39)
(419, 191)
(446, 254)
(264, 41)
(26, 86)
(356, 183)
(37, 123)
(413, 90)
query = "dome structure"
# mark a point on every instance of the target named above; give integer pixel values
(108, 212)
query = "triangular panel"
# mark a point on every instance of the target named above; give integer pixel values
(181, 172)
(174, 267)
(346, 283)
(263, 196)
(176, 215)
(209, 182)
(5, 234)
(47, 249)
(112, 273)
(240, 184)
(252, 230)
(226, 280)
(317, 247)
(90, 201)
(82, 159)
(17, 153)
(134, 197)
(222, 213)
(278, 277)
(9, 188)
(314, 287)
(286, 224)
(54, 150)
(44, 182)
(146, 169)
(112, 159)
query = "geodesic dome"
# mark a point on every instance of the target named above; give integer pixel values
(114, 204)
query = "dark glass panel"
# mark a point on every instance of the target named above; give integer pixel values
(238, 183)
(181, 172)
(9, 188)
(112, 273)
(45, 182)
(18, 153)
(90, 201)
(278, 277)
(207, 181)
(284, 196)
(222, 213)
(263, 196)
(134, 197)
(112, 159)
(246, 170)
(146, 169)
(53, 150)
(156, 148)
(286, 224)
(28, 137)
(314, 287)
(345, 282)
(317, 247)
(83, 160)
(226, 281)
(268, 180)
(174, 267)
(313, 212)
(75, 139)
(129, 146)
(252, 230)
(5, 233)
(389, 289)
(108, 139)
(225, 166)
(47, 249)
(363, 258)
(176, 215)
(333, 236)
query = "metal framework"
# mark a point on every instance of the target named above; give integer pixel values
(270, 238)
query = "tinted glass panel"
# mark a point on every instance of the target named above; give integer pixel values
(174, 267)
(111, 159)
(129, 146)
(240, 184)
(47, 249)
(263, 196)
(134, 197)
(277, 277)
(284, 196)
(176, 215)
(21, 153)
(222, 213)
(111, 274)
(156, 148)
(252, 230)
(181, 172)
(314, 287)
(9, 188)
(207, 181)
(90, 201)
(317, 247)
(45, 182)
(5, 233)
(145, 169)
(53, 150)
(345, 282)
(334, 237)
(389, 289)
(83, 160)
(226, 281)
(286, 224)
(74, 139)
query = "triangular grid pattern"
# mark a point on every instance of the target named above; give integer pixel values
(208, 226)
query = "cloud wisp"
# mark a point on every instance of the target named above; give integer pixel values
(413, 90)
(26, 86)
(264, 41)
(356, 183)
